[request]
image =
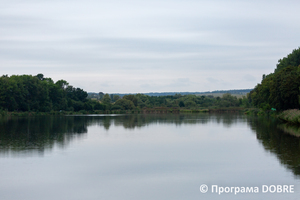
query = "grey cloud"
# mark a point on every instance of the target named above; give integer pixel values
(122, 40)
(249, 77)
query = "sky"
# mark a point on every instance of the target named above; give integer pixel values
(138, 46)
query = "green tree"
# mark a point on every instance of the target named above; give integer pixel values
(125, 104)
(293, 59)
(62, 84)
(279, 90)
(181, 104)
(106, 99)
(131, 98)
(38, 93)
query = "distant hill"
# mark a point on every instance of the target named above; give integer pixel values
(240, 92)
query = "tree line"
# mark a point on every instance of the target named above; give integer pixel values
(37, 134)
(281, 89)
(129, 102)
(40, 94)
(236, 91)
(37, 93)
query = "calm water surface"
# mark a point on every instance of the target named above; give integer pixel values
(134, 157)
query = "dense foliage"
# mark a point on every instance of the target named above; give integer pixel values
(280, 89)
(140, 101)
(36, 93)
(293, 59)
(39, 94)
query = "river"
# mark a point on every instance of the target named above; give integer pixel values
(154, 156)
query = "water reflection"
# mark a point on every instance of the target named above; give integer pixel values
(38, 134)
(139, 121)
(285, 146)
(291, 129)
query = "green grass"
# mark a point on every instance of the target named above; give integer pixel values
(291, 116)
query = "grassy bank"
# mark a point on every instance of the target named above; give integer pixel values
(291, 116)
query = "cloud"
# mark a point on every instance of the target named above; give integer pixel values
(143, 46)
(249, 78)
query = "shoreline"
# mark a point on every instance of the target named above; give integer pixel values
(159, 110)
(291, 116)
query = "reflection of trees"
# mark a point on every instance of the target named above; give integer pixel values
(39, 133)
(138, 121)
(133, 121)
(285, 146)
(292, 129)
(36, 134)
(228, 119)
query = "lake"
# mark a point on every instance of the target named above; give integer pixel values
(154, 156)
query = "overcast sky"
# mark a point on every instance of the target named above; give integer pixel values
(148, 46)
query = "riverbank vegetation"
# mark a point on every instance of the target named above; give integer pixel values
(32, 95)
(291, 116)
(280, 90)
(28, 93)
